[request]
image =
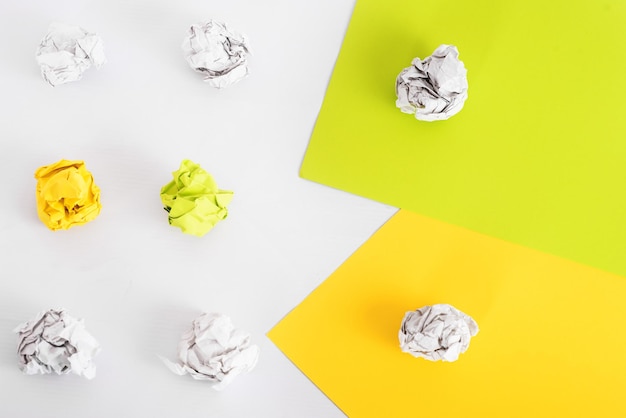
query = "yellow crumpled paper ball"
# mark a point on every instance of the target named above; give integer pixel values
(66, 195)
(193, 201)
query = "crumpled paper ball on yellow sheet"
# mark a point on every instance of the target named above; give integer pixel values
(66, 195)
(437, 332)
(193, 200)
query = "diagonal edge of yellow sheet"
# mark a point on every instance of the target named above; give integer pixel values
(550, 342)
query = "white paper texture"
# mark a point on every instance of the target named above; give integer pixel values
(55, 342)
(215, 351)
(217, 52)
(434, 88)
(67, 52)
(437, 332)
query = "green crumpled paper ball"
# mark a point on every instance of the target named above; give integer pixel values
(193, 201)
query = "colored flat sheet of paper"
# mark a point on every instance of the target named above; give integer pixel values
(550, 341)
(538, 154)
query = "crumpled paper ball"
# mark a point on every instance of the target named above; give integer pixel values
(193, 201)
(55, 342)
(66, 195)
(215, 351)
(217, 52)
(67, 52)
(437, 332)
(434, 88)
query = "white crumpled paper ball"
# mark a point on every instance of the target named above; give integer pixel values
(437, 332)
(67, 52)
(214, 350)
(435, 88)
(55, 342)
(217, 52)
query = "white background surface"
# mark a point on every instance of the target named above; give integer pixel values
(137, 281)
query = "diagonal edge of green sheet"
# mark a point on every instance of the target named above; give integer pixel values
(538, 154)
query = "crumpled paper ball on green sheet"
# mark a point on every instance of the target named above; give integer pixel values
(193, 200)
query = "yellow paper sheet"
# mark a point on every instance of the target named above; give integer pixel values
(551, 340)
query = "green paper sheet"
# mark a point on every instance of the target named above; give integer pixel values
(538, 154)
